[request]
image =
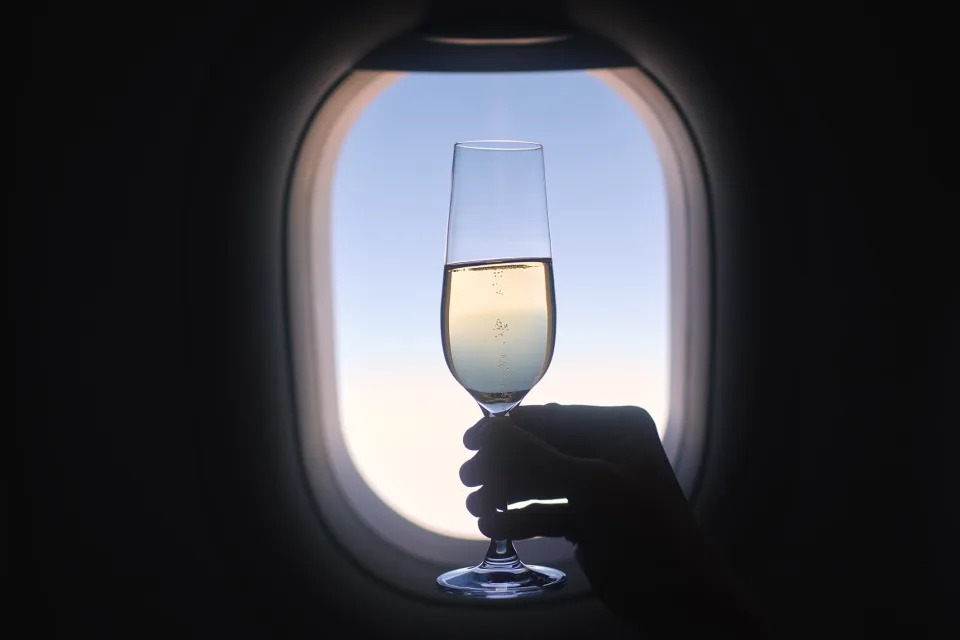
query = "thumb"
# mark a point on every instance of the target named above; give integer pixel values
(550, 520)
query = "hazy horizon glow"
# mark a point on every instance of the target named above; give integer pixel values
(402, 413)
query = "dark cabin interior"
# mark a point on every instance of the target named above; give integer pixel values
(155, 458)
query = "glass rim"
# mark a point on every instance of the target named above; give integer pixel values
(499, 145)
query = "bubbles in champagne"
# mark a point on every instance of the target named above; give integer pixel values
(498, 327)
(497, 282)
(500, 330)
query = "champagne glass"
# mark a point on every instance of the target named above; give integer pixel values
(498, 315)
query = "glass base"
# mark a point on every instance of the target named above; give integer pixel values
(493, 580)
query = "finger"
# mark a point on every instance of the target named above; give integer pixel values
(487, 500)
(586, 431)
(549, 520)
(472, 471)
(570, 429)
(473, 435)
(495, 495)
(519, 464)
(480, 503)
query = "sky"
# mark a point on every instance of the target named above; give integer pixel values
(402, 413)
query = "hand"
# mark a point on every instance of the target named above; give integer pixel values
(635, 536)
(596, 457)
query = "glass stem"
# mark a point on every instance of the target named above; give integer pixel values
(501, 554)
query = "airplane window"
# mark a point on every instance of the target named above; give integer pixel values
(401, 413)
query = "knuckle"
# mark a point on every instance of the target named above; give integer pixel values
(640, 415)
(478, 503)
(467, 472)
(472, 505)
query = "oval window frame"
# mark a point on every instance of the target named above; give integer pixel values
(382, 542)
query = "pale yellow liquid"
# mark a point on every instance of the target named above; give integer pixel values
(498, 324)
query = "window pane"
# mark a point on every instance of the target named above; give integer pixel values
(402, 413)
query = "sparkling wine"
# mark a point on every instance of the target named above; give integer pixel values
(498, 323)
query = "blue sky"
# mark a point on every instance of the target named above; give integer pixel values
(607, 209)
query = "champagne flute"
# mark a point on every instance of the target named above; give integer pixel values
(498, 317)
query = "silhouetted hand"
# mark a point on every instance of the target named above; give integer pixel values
(634, 534)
